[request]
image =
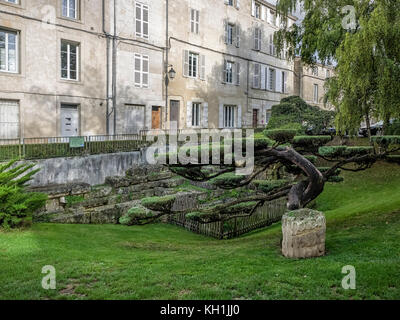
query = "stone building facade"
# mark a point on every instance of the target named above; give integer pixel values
(81, 67)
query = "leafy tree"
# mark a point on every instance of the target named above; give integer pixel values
(294, 112)
(367, 80)
(16, 204)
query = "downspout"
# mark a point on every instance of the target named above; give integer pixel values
(114, 69)
(166, 61)
(108, 70)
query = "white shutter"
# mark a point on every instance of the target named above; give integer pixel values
(202, 67)
(145, 14)
(145, 71)
(255, 38)
(226, 1)
(256, 78)
(205, 115)
(224, 72)
(189, 114)
(197, 21)
(278, 80)
(238, 4)
(226, 31)
(263, 76)
(237, 73)
(221, 115)
(286, 82)
(9, 119)
(263, 13)
(253, 8)
(269, 16)
(239, 116)
(138, 70)
(185, 63)
(237, 33)
(267, 78)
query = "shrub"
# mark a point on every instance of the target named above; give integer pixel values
(281, 135)
(135, 215)
(294, 113)
(16, 204)
(159, 203)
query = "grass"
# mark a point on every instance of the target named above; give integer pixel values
(166, 262)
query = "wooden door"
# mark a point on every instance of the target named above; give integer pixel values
(255, 118)
(156, 117)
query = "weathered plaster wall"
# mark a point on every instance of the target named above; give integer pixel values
(92, 170)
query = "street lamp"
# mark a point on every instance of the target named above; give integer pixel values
(172, 73)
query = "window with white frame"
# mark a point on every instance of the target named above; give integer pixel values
(193, 64)
(229, 116)
(12, 1)
(272, 79)
(267, 116)
(194, 21)
(316, 98)
(257, 11)
(8, 51)
(141, 71)
(70, 9)
(314, 71)
(229, 2)
(230, 33)
(328, 73)
(196, 107)
(272, 49)
(9, 119)
(257, 39)
(69, 60)
(228, 71)
(142, 20)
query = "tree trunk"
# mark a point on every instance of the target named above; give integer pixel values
(303, 234)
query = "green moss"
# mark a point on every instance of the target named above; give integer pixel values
(71, 200)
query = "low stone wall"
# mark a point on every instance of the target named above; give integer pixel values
(92, 170)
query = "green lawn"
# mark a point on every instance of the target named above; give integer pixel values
(166, 262)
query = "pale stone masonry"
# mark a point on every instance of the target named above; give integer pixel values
(69, 68)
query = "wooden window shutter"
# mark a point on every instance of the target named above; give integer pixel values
(239, 116)
(224, 73)
(237, 73)
(256, 78)
(205, 115)
(253, 8)
(202, 67)
(185, 63)
(221, 115)
(263, 76)
(189, 114)
(237, 4)
(237, 33)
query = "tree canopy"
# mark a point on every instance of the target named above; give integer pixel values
(363, 38)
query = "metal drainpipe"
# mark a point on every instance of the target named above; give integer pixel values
(107, 70)
(114, 69)
(166, 61)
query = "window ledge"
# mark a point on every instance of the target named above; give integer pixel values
(75, 82)
(10, 74)
(14, 5)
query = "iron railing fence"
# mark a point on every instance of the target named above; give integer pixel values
(53, 147)
(267, 214)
